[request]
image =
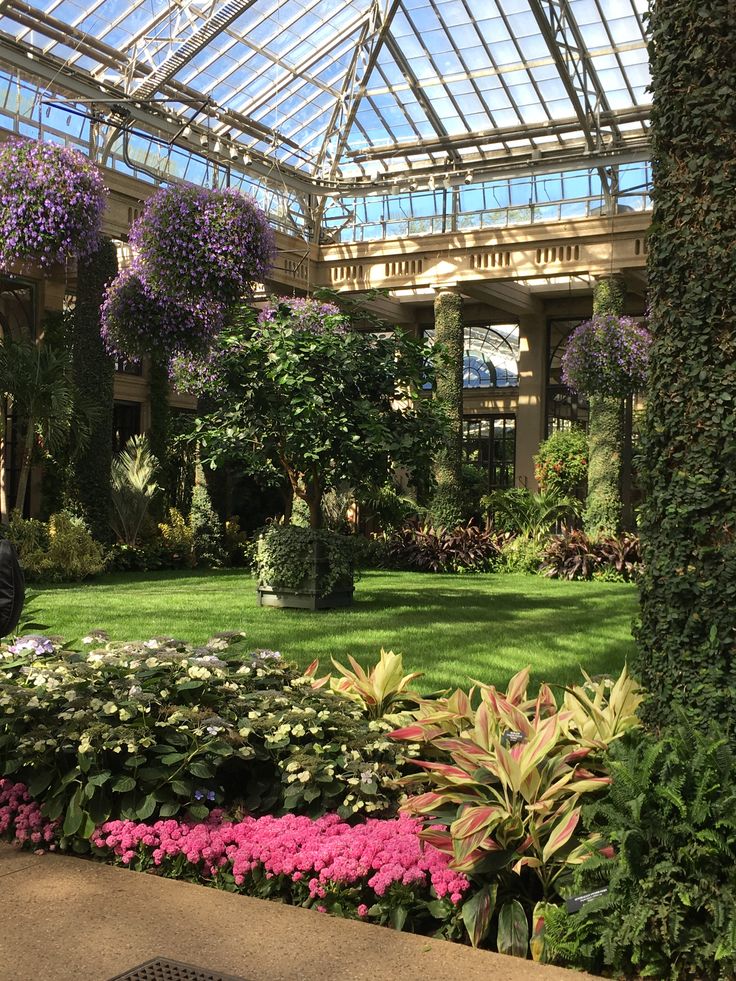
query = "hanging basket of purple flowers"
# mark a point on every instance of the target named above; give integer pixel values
(51, 203)
(608, 356)
(195, 244)
(135, 323)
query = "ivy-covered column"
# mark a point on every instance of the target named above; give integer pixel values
(447, 508)
(687, 637)
(94, 375)
(605, 434)
(159, 435)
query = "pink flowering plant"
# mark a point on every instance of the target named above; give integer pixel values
(136, 322)
(21, 818)
(195, 244)
(607, 355)
(377, 870)
(51, 203)
(161, 728)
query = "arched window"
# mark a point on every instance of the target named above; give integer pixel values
(491, 357)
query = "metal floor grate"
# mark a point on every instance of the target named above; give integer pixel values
(165, 970)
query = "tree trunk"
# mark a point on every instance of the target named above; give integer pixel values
(447, 504)
(605, 435)
(686, 641)
(25, 466)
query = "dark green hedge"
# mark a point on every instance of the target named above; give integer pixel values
(94, 373)
(687, 635)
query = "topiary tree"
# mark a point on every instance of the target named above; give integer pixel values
(605, 358)
(294, 391)
(687, 636)
(93, 370)
(447, 507)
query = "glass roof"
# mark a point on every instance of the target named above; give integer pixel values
(344, 94)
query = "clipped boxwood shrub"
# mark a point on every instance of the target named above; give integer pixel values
(161, 728)
(285, 558)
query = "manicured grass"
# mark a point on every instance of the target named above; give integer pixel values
(450, 627)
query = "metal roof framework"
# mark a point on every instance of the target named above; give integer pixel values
(339, 98)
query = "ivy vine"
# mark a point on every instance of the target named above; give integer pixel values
(94, 376)
(687, 634)
(447, 504)
(288, 557)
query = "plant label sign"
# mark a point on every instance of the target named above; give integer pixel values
(510, 737)
(575, 903)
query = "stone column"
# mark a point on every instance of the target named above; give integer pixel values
(530, 421)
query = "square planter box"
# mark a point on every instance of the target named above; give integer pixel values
(307, 596)
(304, 599)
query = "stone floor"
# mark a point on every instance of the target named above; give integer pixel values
(67, 919)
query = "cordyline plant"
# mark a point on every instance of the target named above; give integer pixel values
(466, 548)
(380, 690)
(51, 203)
(194, 244)
(295, 393)
(509, 797)
(607, 355)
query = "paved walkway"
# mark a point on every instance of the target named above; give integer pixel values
(67, 919)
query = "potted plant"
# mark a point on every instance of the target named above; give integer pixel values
(295, 394)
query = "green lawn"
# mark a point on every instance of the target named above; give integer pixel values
(450, 627)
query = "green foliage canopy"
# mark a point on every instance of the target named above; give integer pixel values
(295, 391)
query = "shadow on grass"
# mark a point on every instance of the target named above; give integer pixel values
(450, 627)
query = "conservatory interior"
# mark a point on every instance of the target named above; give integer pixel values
(419, 314)
(394, 147)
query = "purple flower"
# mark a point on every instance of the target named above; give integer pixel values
(51, 203)
(607, 355)
(37, 644)
(302, 314)
(194, 244)
(135, 322)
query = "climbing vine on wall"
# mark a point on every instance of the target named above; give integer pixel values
(447, 504)
(687, 635)
(94, 372)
